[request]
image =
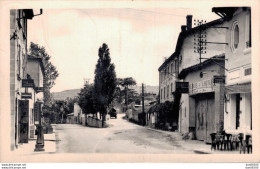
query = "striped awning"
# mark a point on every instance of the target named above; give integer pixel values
(238, 88)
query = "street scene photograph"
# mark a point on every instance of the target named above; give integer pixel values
(131, 81)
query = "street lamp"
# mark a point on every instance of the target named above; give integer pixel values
(39, 146)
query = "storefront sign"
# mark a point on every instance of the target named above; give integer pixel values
(182, 87)
(27, 83)
(219, 79)
(26, 95)
(202, 87)
(39, 89)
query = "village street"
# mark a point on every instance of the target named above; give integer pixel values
(120, 137)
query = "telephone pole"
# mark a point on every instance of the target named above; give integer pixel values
(144, 117)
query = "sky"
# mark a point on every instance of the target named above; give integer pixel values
(139, 40)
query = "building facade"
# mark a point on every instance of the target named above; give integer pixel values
(185, 58)
(202, 109)
(167, 77)
(22, 88)
(238, 94)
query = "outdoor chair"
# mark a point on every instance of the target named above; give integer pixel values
(234, 142)
(219, 141)
(227, 141)
(213, 141)
(249, 143)
(242, 143)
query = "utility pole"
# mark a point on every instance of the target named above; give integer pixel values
(126, 97)
(200, 39)
(144, 117)
(86, 81)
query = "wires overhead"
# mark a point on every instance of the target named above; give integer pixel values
(159, 13)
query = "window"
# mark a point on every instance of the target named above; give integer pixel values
(176, 67)
(161, 94)
(238, 111)
(164, 92)
(180, 59)
(234, 36)
(168, 71)
(171, 87)
(167, 91)
(18, 61)
(171, 67)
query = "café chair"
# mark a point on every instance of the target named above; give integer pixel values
(213, 141)
(227, 141)
(234, 142)
(249, 143)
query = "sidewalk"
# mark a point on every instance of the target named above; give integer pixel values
(196, 146)
(49, 145)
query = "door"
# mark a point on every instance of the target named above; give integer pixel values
(205, 118)
(23, 120)
(210, 119)
(201, 107)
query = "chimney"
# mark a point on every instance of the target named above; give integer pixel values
(183, 28)
(189, 22)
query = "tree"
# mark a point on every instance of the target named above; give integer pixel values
(86, 99)
(105, 81)
(50, 71)
(126, 82)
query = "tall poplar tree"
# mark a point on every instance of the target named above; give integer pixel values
(105, 82)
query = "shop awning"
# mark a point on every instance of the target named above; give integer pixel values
(238, 88)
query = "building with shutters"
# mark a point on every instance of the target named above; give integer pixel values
(22, 85)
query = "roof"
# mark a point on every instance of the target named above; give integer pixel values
(184, 72)
(184, 34)
(225, 12)
(167, 61)
(30, 57)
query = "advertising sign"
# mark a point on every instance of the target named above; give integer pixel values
(27, 83)
(182, 87)
(26, 95)
(219, 79)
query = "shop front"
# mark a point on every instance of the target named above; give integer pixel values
(202, 109)
(238, 109)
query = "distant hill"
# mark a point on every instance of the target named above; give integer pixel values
(74, 92)
(65, 94)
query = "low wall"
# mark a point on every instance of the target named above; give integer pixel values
(93, 122)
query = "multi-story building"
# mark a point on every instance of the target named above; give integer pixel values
(21, 84)
(167, 77)
(238, 94)
(187, 67)
(201, 109)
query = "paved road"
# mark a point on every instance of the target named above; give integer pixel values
(120, 137)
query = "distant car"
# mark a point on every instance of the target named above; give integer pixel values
(113, 113)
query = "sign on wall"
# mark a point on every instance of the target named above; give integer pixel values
(27, 83)
(219, 79)
(26, 95)
(202, 86)
(182, 87)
